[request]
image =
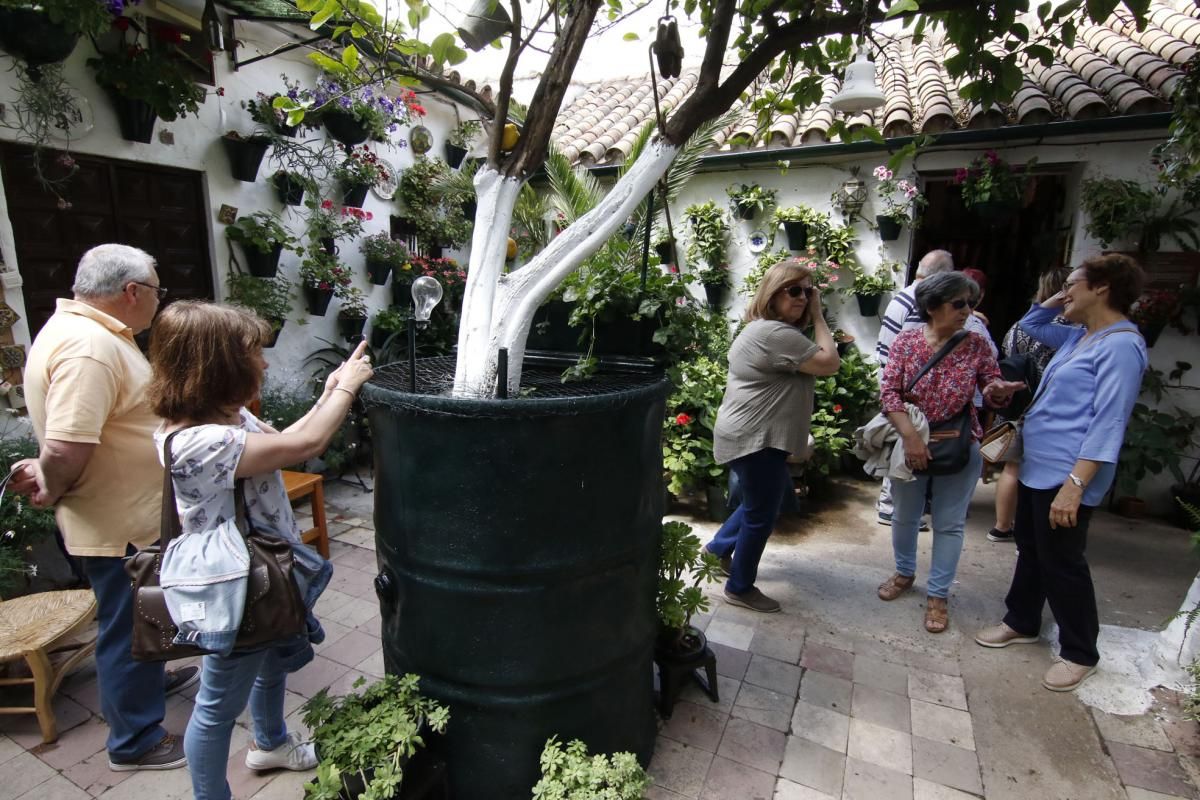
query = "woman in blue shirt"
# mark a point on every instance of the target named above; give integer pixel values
(1072, 436)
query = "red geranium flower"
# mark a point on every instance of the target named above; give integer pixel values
(837, 409)
(683, 419)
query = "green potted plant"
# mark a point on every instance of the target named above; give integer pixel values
(354, 115)
(366, 739)
(263, 239)
(359, 171)
(706, 251)
(902, 203)
(1153, 310)
(327, 223)
(796, 221)
(321, 277)
(386, 323)
(383, 254)
(992, 187)
(291, 186)
(460, 140)
(270, 298)
(1115, 208)
(688, 431)
(22, 525)
(267, 117)
(145, 82)
(352, 315)
(1155, 441)
(569, 773)
(749, 200)
(437, 218)
(46, 32)
(869, 287)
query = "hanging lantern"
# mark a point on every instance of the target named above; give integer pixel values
(851, 195)
(859, 90)
(214, 31)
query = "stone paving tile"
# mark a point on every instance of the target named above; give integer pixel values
(85, 741)
(729, 780)
(942, 724)
(23, 728)
(22, 774)
(787, 790)
(727, 692)
(878, 745)
(781, 645)
(83, 687)
(1150, 769)
(879, 674)
(1142, 730)
(765, 707)
(353, 648)
(725, 611)
(315, 676)
(695, 725)
(1144, 794)
(356, 557)
(330, 601)
(731, 662)
(93, 775)
(358, 537)
(778, 676)
(814, 766)
(334, 631)
(927, 790)
(56, 788)
(895, 652)
(355, 612)
(881, 708)
(8, 749)
(826, 691)
(372, 626)
(730, 634)
(828, 660)
(816, 724)
(345, 684)
(245, 782)
(945, 690)
(372, 665)
(658, 793)
(1184, 735)
(866, 781)
(284, 785)
(679, 768)
(946, 764)
(170, 784)
(753, 745)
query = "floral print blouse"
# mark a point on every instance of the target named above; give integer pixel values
(944, 390)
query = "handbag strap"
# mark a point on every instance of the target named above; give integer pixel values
(1042, 386)
(170, 527)
(952, 343)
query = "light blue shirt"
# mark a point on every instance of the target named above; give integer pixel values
(1090, 389)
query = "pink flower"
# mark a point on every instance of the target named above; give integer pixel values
(992, 157)
(327, 204)
(960, 175)
(882, 173)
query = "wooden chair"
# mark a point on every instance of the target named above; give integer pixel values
(35, 627)
(307, 484)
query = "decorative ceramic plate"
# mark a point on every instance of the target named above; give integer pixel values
(8, 317)
(386, 189)
(758, 241)
(12, 356)
(74, 123)
(420, 139)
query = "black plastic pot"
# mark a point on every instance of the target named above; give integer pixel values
(245, 155)
(355, 196)
(717, 502)
(276, 329)
(1151, 331)
(868, 305)
(402, 289)
(32, 37)
(745, 210)
(522, 603)
(329, 245)
(994, 213)
(677, 660)
(797, 235)
(1190, 494)
(351, 328)
(260, 264)
(378, 271)
(455, 155)
(889, 229)
(469, 207)
(289, 188)
(716, 294)
(343, 127)
(135, 118)
(665, 251)
(317, 300)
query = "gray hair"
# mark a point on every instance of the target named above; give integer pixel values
(942, 288)
(106, 269)
(934, 262)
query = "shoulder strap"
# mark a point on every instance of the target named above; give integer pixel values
(169, 527)
(938, 356)
(1045, 381)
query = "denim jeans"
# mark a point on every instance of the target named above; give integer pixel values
(131, 692)
(951, 494)
(764, 479)
(226, 683)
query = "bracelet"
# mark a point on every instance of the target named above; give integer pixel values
(1075, 479)
(347, 391)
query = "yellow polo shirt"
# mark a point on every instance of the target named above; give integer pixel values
(85, 381)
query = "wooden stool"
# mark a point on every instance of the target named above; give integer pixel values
(306, 484)
(35, 626)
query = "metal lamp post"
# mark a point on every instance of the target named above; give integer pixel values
(426, 294)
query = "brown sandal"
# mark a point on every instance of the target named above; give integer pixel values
(895, 586)
(937, 614)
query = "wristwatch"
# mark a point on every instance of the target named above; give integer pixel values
(1075, 479)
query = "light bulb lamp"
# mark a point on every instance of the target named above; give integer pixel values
(426, 294)
(859, 91)
(214, 31)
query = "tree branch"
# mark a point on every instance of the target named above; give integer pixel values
(504, 94)
(718, 31)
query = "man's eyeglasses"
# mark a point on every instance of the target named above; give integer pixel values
(960, 304)
(796, 291)
(159, 290)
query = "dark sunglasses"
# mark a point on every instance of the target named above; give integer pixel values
(796, 291)
(159, 290)
(959, 305)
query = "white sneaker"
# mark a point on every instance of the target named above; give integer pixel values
(292, 754)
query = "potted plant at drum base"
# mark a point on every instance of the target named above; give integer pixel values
(460, 140)
(747, 201)
(369, 741)
(684, 568)
(383, 255)
(869, 288)
(569, 772)
(1153, 310)
(269, 298)
(263, 239)
(902, 203)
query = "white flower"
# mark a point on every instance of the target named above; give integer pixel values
(10, 535)
(33, 570)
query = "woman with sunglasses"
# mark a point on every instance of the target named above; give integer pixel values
(1072, 436)
(765, 415)
(944, 302)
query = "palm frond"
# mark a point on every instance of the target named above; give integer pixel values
(684, 167)
(638, 147)
(459, 185)
(574, 191)
(530, 213)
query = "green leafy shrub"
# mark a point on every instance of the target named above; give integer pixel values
(688, 427)
(269, 298)
(710, 238)
(853, 393)
(21, 525)
(571, 774)
(438, 219)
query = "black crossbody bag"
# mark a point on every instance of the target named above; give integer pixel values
(949, 440)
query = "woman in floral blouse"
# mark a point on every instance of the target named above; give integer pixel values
(944, 303)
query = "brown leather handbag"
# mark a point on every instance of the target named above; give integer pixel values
(274, 609)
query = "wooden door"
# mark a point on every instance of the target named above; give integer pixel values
(159, 209)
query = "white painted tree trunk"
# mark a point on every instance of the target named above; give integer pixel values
(498, 309)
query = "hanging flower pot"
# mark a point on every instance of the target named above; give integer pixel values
(455, 155)
(329, 245)
(995, 213)
(276, 329)
(378, 271)
(260, 264)
(289, 187)
(797, 234)
(469, 207)
(1152, 330)
(344, 127)
(135, 118)
(716, 294)
(745, 210)
(245, 155)
(868, 305)
(354, 196)
(317, 300)
(32, 37)
(665, 251)
(889, 229)
(351, 328)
